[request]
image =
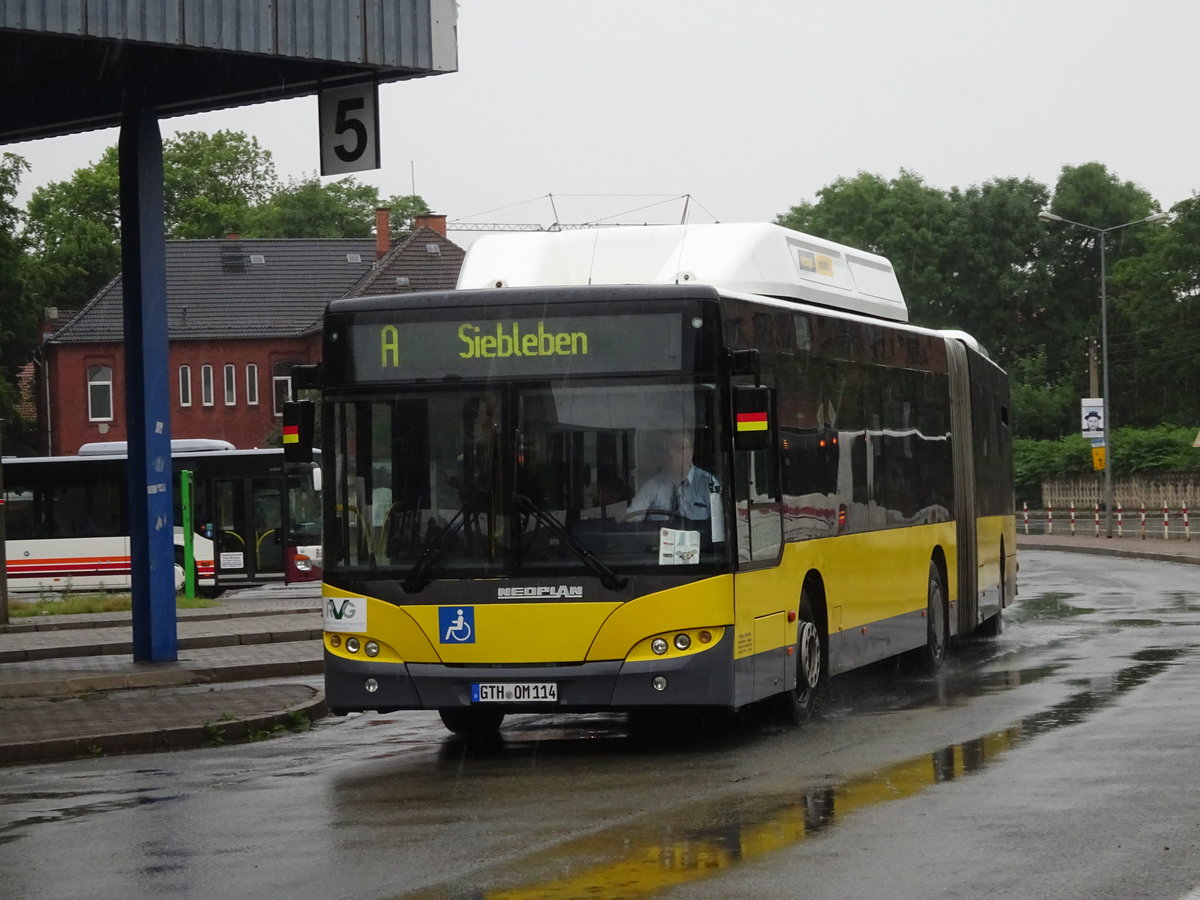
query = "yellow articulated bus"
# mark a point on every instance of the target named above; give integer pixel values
(652, 468)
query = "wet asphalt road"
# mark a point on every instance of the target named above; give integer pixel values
(1058, 760)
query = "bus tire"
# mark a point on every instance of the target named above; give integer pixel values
(936, 614)
(470, 721)
(812, 666)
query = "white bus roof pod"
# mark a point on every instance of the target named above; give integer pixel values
(747, 258)
(178, 446)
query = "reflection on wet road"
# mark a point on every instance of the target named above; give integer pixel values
(695, 842)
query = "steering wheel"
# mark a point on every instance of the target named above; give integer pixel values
(664, 516)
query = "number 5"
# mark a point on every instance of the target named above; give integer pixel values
(344, 123)
(348, 119)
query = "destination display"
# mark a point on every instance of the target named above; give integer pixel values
(479, 347)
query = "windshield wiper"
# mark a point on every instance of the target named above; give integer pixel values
(418, 577)
(608, 577)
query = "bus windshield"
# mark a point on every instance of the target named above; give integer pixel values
(601, 475)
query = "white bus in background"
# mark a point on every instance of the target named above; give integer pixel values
(255, 518)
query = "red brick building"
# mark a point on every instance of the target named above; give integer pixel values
(241, 313)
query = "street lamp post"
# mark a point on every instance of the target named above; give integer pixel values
(1046, 216)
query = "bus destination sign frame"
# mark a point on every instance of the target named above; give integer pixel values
(523, 346)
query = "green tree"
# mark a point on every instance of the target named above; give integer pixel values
(404, 209)
(998, 287)
(307, 208)
(74, 227)
(1092, 195)
(18, 326)
(1154, 331)
(1044, 407)
(73, 231)
(212, 181)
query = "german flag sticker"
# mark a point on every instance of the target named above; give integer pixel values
(752, 421)
(291, 434)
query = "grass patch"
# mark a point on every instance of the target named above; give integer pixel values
(72, 604)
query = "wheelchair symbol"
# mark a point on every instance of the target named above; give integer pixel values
(456, 624)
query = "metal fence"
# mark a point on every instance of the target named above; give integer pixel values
(1143, 523)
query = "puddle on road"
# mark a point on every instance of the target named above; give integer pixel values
(66, 805)
(641, 860)
(1050, 605)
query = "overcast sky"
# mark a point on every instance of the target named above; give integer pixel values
(754, 106)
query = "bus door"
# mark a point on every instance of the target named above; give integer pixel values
(758, 519)
(249, 528)
(232, 539)
(266, 509)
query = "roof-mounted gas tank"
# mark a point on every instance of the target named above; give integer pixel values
(744, 258)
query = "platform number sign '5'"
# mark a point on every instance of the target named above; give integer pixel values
(349, 120)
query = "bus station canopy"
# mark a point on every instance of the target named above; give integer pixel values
(70, 65)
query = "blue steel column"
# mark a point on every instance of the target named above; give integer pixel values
(147, 396)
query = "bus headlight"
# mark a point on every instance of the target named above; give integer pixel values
(659, 646)
(303, 563)
(659, 683)
(352, 645)
(335, 640)
(371, 648)
(682, 641)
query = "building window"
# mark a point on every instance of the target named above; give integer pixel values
(206, 385)
(281, 382)
(185, 385)
(252, 384)
(230, 385)
(283, 392)
(100, 399)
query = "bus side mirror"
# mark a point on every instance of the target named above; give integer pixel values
(316, 479)
(298, 418)
(751, 417)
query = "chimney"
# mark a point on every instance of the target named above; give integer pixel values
(432, 221)
(383, 231)
(232, 236)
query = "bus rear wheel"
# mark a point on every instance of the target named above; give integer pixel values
(934, 652)
(812, 667)
(469, 721)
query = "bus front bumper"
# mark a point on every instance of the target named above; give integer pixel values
(700, 679)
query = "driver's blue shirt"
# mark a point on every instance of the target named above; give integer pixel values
(660, 496)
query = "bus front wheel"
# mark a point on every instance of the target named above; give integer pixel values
(812, 666)
(470, 721)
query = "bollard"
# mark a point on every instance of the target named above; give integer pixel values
(1166, 523)
(1049, 520)
(1097, 520)
(1025, 505)
(1072, 518)
(1120, 513)
(1143, 520)
(1187, 528)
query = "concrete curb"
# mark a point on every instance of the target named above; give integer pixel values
(1067, 546)
(153, 740)
(158, 676)
(116, 620)
(125, 647)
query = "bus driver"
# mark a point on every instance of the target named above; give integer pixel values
(680, 489)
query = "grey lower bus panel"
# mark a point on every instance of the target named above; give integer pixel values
(700, 679)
